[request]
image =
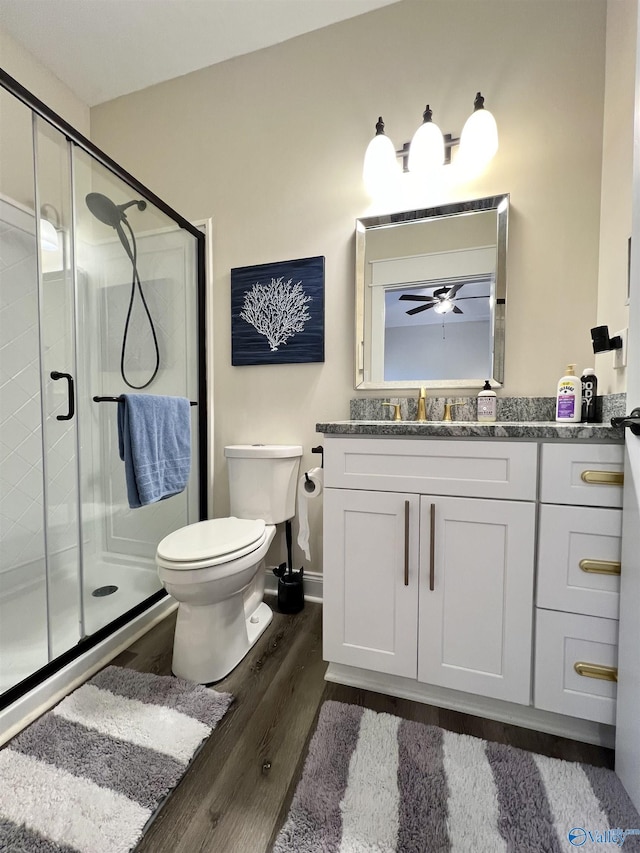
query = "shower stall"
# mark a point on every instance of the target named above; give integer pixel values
(101, 293)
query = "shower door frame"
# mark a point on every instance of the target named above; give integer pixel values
(39, 108)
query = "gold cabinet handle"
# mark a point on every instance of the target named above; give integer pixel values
(432, 549)
(600, 567)
(406, 543)
(603, 478)
(596, 670)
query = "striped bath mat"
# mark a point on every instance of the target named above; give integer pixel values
(89, 775)
(375, 782)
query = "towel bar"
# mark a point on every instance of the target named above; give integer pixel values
(118, 399)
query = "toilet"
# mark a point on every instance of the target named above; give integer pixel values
(215, 569)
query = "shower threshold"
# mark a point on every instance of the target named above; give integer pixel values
(53, 689)
(131, 581)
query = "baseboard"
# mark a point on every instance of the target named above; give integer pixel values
(29, 707)
(312, 585)
(479, 706)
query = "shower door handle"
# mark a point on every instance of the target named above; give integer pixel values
(55, 374)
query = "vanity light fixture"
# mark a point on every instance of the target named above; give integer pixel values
(426, 152)
(380, 168)
(479, 137)
(430, 149)
(49, 239)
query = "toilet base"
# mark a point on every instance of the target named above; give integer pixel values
(211, 640)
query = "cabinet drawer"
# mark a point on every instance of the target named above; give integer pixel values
(476, 469)
(578, 474)
(564, 640)
(579, 560)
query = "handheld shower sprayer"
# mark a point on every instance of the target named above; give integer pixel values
(109, 213)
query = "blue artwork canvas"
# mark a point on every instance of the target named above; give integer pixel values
(277, 312)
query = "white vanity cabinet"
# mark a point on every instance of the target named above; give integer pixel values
(433, 548)
(428, 561)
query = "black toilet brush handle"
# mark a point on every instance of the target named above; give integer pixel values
(287, 533)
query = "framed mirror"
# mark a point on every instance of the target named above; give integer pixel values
(431, 295)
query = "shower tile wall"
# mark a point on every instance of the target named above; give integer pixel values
(166, 262)
(21, 507)
(21, 466)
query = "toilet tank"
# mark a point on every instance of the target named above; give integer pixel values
(263, 480)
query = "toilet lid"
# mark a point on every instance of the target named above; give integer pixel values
(211, 539)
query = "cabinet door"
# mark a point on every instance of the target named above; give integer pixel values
(476, 596)
(370, 608)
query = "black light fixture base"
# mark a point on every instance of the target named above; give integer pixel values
(601, 341)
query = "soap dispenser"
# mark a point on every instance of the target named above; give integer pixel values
(487, 404)
(569, 397)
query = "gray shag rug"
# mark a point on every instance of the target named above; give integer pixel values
(375, 783)
(91, 773)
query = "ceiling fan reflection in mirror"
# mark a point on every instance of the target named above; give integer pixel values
(442, 300)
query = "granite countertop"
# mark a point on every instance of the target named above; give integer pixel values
(518, 417)
(466, 429)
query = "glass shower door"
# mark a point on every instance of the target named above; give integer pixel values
(76, 562)
(22, 555)
(137, 333)
(53, 172)
(40, 574)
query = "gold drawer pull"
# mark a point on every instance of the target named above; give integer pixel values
(596, 670)
(603, 478)
(600, 567)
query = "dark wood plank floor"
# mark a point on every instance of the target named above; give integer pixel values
(236, 794)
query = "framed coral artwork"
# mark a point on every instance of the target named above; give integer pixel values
(277, 312)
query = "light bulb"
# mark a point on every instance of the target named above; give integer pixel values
(443, 307)
(479, 138)
(426, 153)
(381, 167)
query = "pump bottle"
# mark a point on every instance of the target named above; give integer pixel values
(487, 404)
(569, 397)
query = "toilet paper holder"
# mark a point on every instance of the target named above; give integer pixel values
(319, 449)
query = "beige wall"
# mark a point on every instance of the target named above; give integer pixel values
(16, 145)
(26, 69)
(615, 221)
(271, 145)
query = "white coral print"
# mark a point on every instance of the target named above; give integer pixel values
(277, 310)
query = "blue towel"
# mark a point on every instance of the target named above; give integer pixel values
(154, 439)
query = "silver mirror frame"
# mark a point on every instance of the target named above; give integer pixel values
(499, 203)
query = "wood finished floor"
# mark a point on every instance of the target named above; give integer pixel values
(236, 794)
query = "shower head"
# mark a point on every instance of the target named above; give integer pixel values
(108, 211)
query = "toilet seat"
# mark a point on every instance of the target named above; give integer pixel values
(210, 543)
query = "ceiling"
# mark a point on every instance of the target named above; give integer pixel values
(103, 49)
